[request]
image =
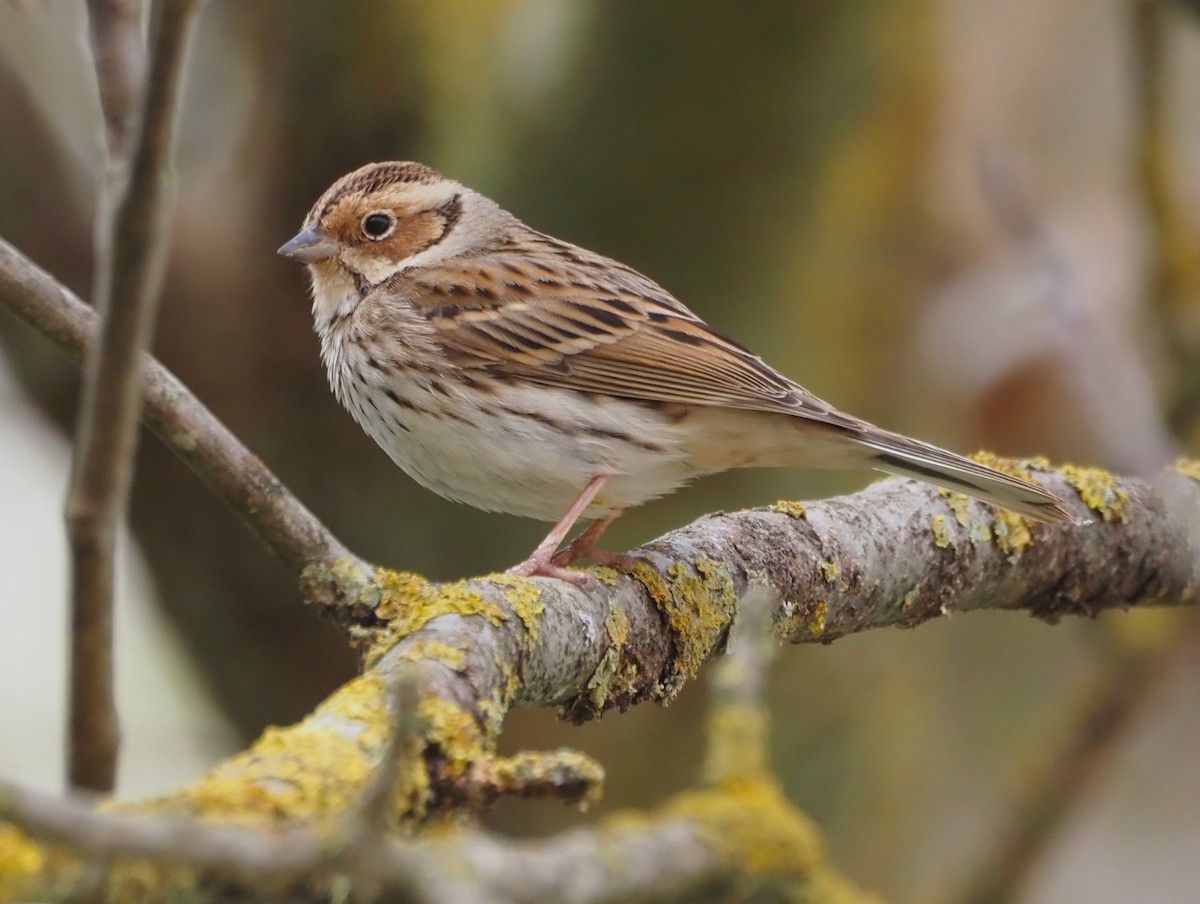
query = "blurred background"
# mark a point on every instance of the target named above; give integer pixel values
(971, 221)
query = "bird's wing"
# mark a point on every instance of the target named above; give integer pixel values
(572, 319)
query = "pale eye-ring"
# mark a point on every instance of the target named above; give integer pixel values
(378, 225)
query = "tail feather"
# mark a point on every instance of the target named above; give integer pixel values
(910, 458)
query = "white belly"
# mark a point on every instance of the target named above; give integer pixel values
(524, 451)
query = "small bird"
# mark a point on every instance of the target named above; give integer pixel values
(515, 372)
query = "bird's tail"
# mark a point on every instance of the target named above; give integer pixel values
(906, 457)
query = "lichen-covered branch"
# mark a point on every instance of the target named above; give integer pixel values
(897, 553)
(735, 833)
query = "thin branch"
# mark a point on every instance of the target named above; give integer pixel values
(738, 742)
(131, 251)
(119, 54)
(289, 530)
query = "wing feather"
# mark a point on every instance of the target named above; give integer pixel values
(565, 317)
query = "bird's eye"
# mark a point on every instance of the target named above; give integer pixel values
(378, 225)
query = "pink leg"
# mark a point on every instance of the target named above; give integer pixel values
(541, 561)
(584, 546)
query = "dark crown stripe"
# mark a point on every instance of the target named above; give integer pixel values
(375, 176)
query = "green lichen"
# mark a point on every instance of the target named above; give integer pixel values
(344, 579)
(909, 598)
(942, 538)
(1099, 490)
(789, 508)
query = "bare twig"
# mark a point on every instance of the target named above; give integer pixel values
(119, 53)
(131, 252)
(291, 532)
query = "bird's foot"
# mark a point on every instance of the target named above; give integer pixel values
(576, 550)
(545, 565)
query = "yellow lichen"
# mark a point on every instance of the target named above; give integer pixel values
(959, 503)
(788, 620)
(1010, 530)
(408, 601)
(456, 732)
(562, 768)
(942, 538)
(789, 508)
(307, 771)
(699, 602)
(600, 683)
(314, 770)
(430, 648)
(750, 823)
(525, 599)
(1011, 533)
(738, 742)
(1188, 467)
(910, 597)
(1100, 490)
(829, 569)
(816, 618)
(614, 672)
(605, 575)
(644, 574)
(21, 861)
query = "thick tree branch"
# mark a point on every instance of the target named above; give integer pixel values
(896, 554)
(291, 532)
(736, 831)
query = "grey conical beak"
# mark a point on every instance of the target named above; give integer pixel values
(309, 246)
